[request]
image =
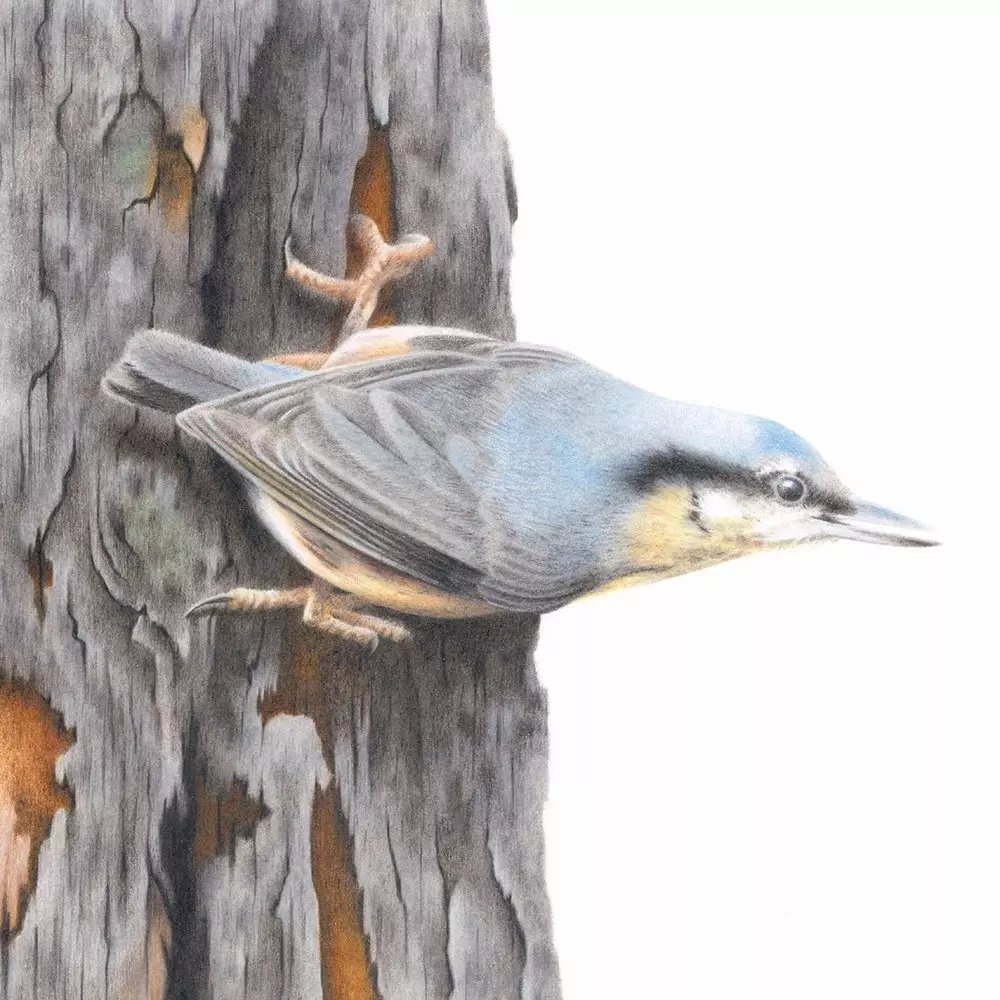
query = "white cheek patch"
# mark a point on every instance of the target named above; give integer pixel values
(765, 520)
(795, 525)
(721, 505)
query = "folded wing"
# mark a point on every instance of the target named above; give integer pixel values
(388, 458)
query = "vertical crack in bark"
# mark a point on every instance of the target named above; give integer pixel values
(39, 44)
(295, 190)
(322, 129)
(101, 574)
(266, 282)
(509, 184)
(39, 565)
(40, 571)
(447, 890)
(399, 886)
(61, 140)
(506, 896)
(190, 30)
(439, 57)
(173, 872)
(143, 199)
(74, 625)
(151, 320)
(136, 46)
(46, 294)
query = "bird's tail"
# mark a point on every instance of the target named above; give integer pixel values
(165, 372)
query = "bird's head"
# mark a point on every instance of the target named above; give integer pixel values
(725, 485)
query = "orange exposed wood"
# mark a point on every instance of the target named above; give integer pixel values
(371, 195)
(159, 938)
(222, 818)
(344, 960)
(32, 738)
(308, 684)
(175, 184)
(194, 135)
(143, 969)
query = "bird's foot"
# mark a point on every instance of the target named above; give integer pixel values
(247, 600)
(379, 263)
(333, 612)
(329, 610)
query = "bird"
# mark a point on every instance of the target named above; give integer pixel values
(442, 473)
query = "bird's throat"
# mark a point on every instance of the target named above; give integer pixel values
(667, 536)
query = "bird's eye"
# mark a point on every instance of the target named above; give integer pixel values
(789, 489)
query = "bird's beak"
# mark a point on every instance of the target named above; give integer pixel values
(866, 522)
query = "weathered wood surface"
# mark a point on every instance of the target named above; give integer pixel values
(239, 798)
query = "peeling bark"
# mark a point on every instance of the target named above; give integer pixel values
(256, 811)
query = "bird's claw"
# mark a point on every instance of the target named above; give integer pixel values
(209, 605)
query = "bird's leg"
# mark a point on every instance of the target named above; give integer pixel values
(333, 611)
(246, 600)
(380, 262)
(323, 607)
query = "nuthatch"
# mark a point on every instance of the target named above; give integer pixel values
(437, 472)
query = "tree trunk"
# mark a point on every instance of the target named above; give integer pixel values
(239, 807)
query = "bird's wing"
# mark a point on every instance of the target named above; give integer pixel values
(384, 457)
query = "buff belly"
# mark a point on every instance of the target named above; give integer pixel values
(365, 578)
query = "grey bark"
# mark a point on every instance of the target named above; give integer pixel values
(439, 751)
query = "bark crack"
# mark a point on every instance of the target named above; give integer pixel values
(506, 896)
(61, 141)
(447, 890)
(399, 887)
(47, 294)
(136, 46)
(126, 97)
(295, 186)
(74, 629)
(322, 126)
(438, 56)
(143, 199)
(63, 491)
(46, 13)
(190, 30)
(97, 543)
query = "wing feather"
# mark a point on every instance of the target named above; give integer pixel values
(386, 458)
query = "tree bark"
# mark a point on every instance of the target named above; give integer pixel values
(240, 807)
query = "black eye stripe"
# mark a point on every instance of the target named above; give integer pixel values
(679, 467)
(663, 467)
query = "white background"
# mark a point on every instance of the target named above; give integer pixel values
(779, 777)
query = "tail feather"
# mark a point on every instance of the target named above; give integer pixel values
(165, 372)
